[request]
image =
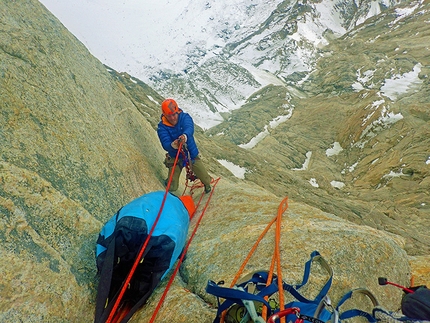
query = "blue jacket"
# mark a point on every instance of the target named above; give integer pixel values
(168, 133)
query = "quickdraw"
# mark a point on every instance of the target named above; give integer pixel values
(187, 163)
(296, 311)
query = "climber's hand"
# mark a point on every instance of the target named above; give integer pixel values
(183, 138)
(175, 144)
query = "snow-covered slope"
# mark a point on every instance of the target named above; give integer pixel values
(133, 36)
(211, 55)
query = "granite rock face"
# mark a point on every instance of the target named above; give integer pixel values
(232, 224)
(77, 144)
(63, 116)
(73, 150)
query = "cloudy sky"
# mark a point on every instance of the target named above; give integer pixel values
(129, 34)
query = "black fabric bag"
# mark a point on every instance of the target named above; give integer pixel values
(416, 305)
(116, 262)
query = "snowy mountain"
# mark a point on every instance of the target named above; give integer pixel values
(211, 55)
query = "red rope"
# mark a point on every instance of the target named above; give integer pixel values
(197, 206)
(145, 244)
(154, 315)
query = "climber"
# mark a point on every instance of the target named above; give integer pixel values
(177, 126)
(120, 241)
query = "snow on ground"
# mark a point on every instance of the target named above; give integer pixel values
(386, 119)
(335, 150)
(404, 12)
(272, 124)
(306, 163)
(392, 174)
(313, 182)
(337, 184)
(363, 80)
(374, 10)
(236, 170)
(255, 140)
(153, 100)
(400, 84)
(393, 87)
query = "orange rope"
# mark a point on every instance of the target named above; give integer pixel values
(242, 267)
(269, 280)
(282, 207)
(254, 247)
(172, 277)
(275, 258)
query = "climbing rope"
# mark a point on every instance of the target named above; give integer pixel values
(122, 311)
(276, 258)
(143, 248)
(178, 265)
(281, 209)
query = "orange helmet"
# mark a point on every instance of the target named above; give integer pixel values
(189, 204)
(169, 107)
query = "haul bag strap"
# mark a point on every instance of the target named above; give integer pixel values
(315, 255)
(363, 291)
(261, 277)
(105, 281)
(357, 313)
